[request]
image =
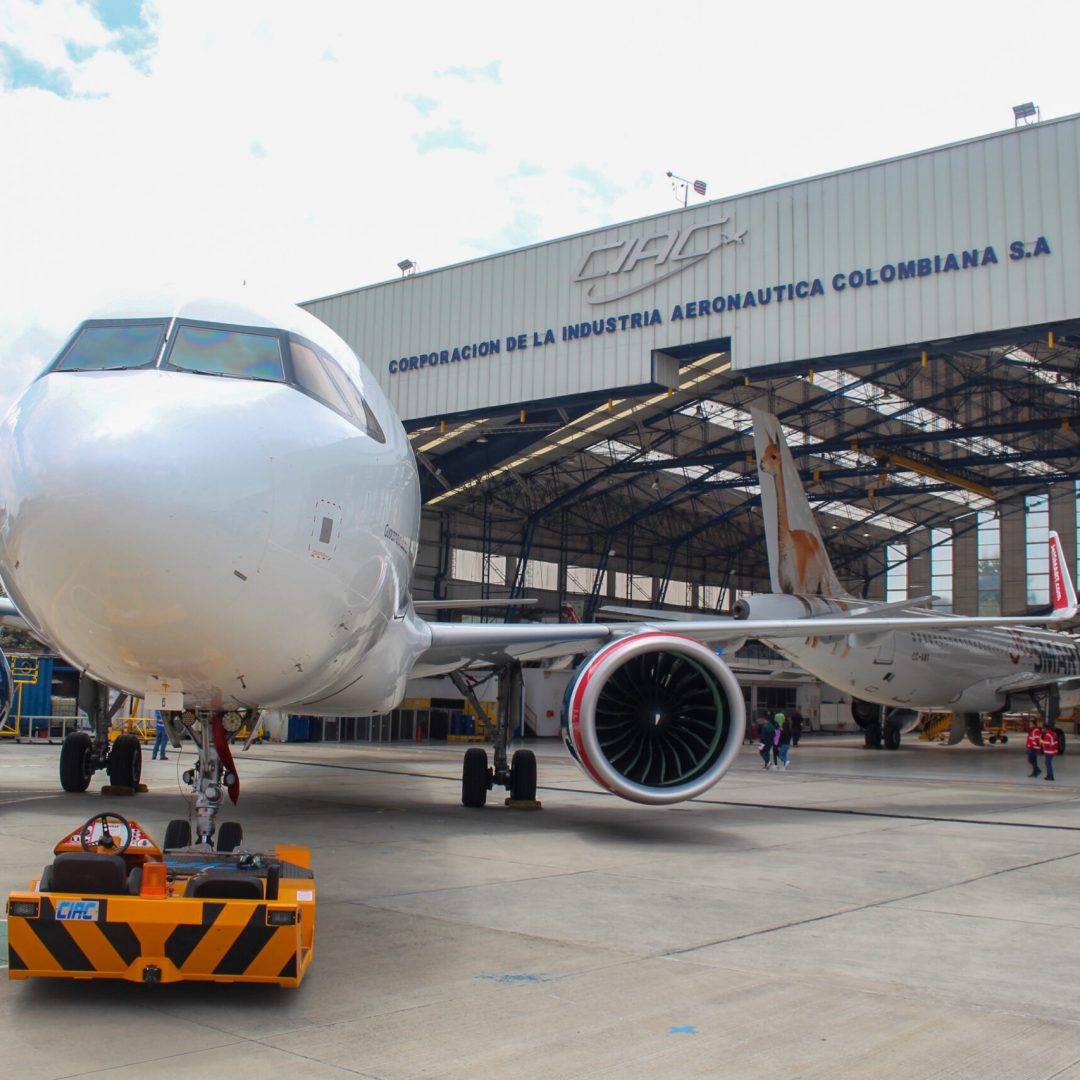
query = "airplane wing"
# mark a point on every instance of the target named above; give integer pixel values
(457, 645)
(454, 605)
(9, 614)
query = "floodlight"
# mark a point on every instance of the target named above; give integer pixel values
(1025, 112)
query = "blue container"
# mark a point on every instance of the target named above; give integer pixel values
(299, 729)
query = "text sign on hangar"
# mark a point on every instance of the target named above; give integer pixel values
(605, 271)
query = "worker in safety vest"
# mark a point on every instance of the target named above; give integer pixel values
(1050, 749)
(1034, 747)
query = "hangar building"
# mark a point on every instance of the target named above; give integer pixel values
(578, 407)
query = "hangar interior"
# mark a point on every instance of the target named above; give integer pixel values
(933, 470)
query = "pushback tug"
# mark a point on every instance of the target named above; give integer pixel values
(113, 905)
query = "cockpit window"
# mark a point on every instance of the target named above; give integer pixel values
(319, 376)
(108, 347)
(241, 354)
(237, 352)
(311, 377)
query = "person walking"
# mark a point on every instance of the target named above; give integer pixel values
(1034, 746)
(779, 720)
(161, 739)
(783, 745)
(1050, 748)
(766, 736)
(796, 727)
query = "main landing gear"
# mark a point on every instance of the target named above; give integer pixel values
(83, 752)
(518, 775)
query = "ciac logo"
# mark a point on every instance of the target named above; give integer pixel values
(608, 266)
(77, 911)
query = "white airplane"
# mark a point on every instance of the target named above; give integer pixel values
(929, 664)
(898, 659)
(211, 505)
(920, 664)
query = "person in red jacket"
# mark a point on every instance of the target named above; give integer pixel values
(1050, 749)
(1034, 747)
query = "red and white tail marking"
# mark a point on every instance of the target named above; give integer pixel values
(1061, 586)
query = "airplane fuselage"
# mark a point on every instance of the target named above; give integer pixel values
(963, 670)
(257, 538)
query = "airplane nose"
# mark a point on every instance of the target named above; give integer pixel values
(113, 485)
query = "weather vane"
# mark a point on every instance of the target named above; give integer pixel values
(682, 187)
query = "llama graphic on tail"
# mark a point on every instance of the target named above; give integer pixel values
(798, 563)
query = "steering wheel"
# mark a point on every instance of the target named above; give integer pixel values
(108, 844)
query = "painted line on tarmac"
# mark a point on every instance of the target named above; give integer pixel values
(870, 905)
(889, 815)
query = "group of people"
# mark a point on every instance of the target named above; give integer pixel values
(1042, 740)
(777, 736)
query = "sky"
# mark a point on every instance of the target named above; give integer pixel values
(307, 148)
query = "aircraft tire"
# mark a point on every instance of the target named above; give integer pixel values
(474, 777)
(1061, 741)
(75, 770)
(230, 836)
(177, 834)
(523, 776)
(872, 734)
(125, 762)
(892, 737)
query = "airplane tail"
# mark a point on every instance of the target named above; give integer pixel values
(1061, 587)
(797, 560)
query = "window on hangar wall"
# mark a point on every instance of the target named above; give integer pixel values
(941, 567)
(1037, 535)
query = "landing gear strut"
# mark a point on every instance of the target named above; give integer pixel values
(517, 775)
(213, 775)
(84, 753)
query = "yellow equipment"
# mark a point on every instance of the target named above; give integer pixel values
(112, 905)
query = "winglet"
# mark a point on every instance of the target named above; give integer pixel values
(1061, 586)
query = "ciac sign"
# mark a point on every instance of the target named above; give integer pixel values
(670, 253)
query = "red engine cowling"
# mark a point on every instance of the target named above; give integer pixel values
(654, 717)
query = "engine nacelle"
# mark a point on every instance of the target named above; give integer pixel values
(7, 689)
(654, 717)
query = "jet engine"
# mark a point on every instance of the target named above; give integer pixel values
(6, 689)
(654, 717)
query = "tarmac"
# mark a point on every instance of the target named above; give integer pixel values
(865, 914)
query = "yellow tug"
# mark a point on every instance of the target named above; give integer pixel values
(113, 905)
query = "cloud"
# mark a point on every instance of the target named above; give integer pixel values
(595, 185)
(449, 138)
(423, 104)
(68, 47)
(489, 72)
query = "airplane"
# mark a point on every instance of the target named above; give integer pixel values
(210, 504)
(892, 677)
(920, 660)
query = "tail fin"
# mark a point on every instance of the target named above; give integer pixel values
(797, 559)
(1061, 587)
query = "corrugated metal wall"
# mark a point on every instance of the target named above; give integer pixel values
(840, 239)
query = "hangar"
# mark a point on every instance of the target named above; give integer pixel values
(578, 407)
